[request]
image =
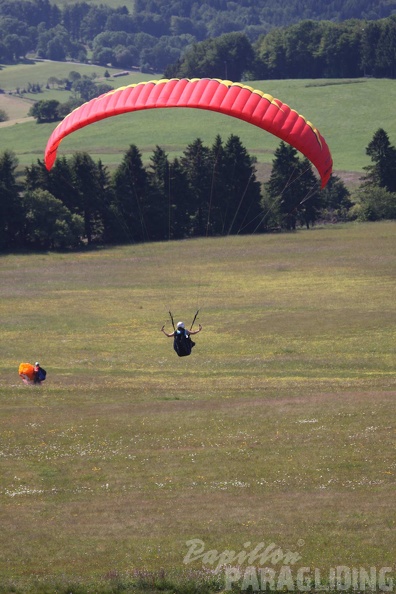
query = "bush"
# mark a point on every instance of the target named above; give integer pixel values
(49, 224)
(45, 111)
(374, 203)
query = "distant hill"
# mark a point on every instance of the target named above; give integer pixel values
(271, 13)
(154, 35)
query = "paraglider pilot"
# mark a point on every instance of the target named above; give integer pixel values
(32, 374)
(39, 373)
(182, 342)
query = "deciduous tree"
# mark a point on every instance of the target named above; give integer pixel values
(48, 224)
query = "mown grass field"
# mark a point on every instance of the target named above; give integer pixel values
(347, 113)
(280, 428)
(20, 75)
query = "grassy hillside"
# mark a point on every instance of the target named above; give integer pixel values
(20, 75)
(278, 429)
(347, 112)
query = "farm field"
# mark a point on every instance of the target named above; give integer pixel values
(342, 110)
(20, 75)
(279, 429)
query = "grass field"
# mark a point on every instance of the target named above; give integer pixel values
(347, 112)
(20, 75)
(278, 429)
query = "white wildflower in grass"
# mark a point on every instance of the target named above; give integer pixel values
(23, 490)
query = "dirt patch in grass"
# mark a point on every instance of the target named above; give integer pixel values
(9, 123)
(16, 108)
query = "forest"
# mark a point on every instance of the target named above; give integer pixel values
(209, 191)
(241, 41)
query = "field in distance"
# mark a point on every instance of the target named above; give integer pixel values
(343, 111)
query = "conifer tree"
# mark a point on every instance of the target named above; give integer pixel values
(130, 186)
(180, 213)
(382, 172)
(197, 164)
(89, 195)
(11, 213)
(157, 212)
(243, 189)
(292, 190)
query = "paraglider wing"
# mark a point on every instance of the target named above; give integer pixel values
(26, 372)
(223, 96)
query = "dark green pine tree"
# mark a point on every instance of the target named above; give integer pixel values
(336, 199)
(158, 205)
(36, 177)
(11, 213)
(130, 187)
(218, 192)
(242, 214)
(60, 184)
(382, 172)
(85, 180)
(181, 215)
(198, 165)
(292, 190)
(105, 204)
(308, 189)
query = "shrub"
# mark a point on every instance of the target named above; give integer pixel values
(374, 203)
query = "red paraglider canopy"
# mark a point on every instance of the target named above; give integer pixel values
(233, 99)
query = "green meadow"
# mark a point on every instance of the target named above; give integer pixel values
(347, 113)
(279, 429)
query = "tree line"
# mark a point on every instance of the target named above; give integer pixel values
(207, 191)
(309, 49)
(219, 39)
